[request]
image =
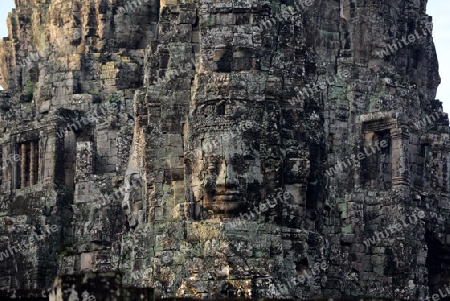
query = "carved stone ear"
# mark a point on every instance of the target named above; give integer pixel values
(188, 158)
(136, 178)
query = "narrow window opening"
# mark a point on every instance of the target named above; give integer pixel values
(377, 164)
(28, 166)
(70, 146)
(424, 162)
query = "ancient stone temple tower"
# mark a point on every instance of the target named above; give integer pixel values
(224, 148)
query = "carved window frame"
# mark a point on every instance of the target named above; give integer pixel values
(27, 169)
(399, 137)
(374, 147)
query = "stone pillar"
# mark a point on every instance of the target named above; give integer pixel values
(85, 160)
(34, 152)
(23, 164)
(439, 167)
(400, 162)
(53, 169)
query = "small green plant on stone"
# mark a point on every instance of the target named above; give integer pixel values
(114, 101)
(29, 89)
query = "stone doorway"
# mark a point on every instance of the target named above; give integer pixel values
(438, 265)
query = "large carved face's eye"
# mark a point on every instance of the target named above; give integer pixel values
(211, 165)
(241, 164)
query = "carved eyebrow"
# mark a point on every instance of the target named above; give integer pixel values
(212, 159)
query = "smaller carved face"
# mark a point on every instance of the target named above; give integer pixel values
(134, 187)
(226, 172)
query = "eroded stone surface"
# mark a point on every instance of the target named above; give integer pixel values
(224, 148)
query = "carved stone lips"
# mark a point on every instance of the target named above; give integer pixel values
(228, 196)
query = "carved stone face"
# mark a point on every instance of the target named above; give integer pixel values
(226, 171)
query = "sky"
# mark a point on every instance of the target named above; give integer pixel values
(6, 7)
(436, 8)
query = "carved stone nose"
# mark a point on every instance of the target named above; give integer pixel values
(227, 176)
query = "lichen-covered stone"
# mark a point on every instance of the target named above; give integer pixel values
(226, 148)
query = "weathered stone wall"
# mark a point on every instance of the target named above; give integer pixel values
(96, 286)
(222, 149)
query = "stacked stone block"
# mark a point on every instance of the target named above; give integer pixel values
(301, 86)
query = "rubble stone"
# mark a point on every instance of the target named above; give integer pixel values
(221, 149)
